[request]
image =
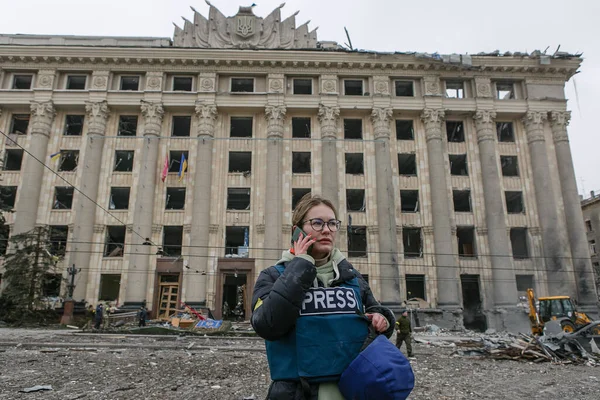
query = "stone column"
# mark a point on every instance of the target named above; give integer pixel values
(446, 266)
(84, 209)
(42, 116)
(582, 265)
(194, 290)
(328, 116)
(554, 250)
(275, 116)
(386, 209)
(139, 269)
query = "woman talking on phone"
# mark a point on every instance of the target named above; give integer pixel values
(314, 309)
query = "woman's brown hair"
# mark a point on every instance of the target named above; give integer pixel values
(307, 202)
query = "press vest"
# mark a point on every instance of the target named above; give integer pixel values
(328, 335)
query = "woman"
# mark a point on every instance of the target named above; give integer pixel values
(313, 308)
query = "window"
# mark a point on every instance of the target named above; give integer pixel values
(514, 202)
(175, 159)
(462, 200)
(68, 160)
(411, 239)
(302, 86)
(13, 158)
(409, 201)
(505, 132)
(415, 286)
(455, 89)
(407, 164)
(355, 164)
(524, 282)
(182, 83)
(592, 247)
(172, 241)
(404, 88)
(110, 285)
(127, 125)
(510, 165)
(238, 198)
(22, 82)
(119, 198)
(455, 131)
(175, 198)
(301, 162)
(353, 87)
(76, 82)
(240, 161)
(241, 127)
(235, 237)
(357, 241)
(130, 82)
(73, 125)
(355, 200)
(8, 197)
(123, 160)
(63, 198)
(518, 241)
(505, 90)
(466, 241)
(114, 243)
(58, 239)
(300, 127)
(51, 285)
(241, 85)
(588, 225)
(458, 164)
(297, 194)
(19, 124)
(352, 129)
(404, 130)
(181, 125)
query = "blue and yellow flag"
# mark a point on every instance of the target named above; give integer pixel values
(55, 156)
(182, 167)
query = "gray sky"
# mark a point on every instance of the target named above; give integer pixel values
(459, 26)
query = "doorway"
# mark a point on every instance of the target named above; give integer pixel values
(473, 317)
(235, 284)
(234, 297)
(168, 292)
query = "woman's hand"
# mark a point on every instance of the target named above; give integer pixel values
(304, 242)
(379, 322)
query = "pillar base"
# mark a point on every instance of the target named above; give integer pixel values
(510, 318)
(67, 317)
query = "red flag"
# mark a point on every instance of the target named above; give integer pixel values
(165, 169)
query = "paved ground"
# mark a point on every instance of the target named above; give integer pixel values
(126, 367)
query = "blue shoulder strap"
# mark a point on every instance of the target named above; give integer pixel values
(280, 268)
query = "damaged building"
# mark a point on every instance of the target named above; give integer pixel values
(452, 173)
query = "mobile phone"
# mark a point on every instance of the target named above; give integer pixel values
(296, 236)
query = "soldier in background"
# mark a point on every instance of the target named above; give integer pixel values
(403, 333)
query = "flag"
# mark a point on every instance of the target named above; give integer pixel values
(165, 169)
(182, 167)
(55, 156)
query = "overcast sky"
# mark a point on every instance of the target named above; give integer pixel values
(459, 26)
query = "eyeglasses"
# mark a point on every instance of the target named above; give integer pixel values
(318, 224)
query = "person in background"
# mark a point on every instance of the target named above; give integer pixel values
(403, 330)
(98, 316)
(142, 315)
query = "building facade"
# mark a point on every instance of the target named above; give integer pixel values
(591, 218)
(452, 174)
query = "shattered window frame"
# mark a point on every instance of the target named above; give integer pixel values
(175, 198)
(115, 202)
(301, 87)
(505, 132)
(8, 196)
(524, 282)
(181, 125)
(120, 157)
(455, 89)
(505, 90)
(405, 129)
(510, 165)
(13, 160)
(354, 87)
(19, 124)
(515, 203)
(241, 127)
(519, 243)
(301, 127)
(457, 161)
(112, 293)
(58, 235)
(238, 199)
(128, 125)
(297, 194)
(592, 245)
(459, 196)
(114, 241)
(409, 201)
(455, 131)
(355, 163)
(588, 226)
(356, 200)
(69, 160)
(22, 82)
(353, 129)
(74, 125)
(130, 83)
(241, 85)
(63, 198)
(51, 284)
(301, 162)
(415, 286)
(240, 158)
(407, 164)
(76, 82)
(412, 242)
(175, 160)
(358, 245)
(172, 240)
(234, 238)
(183, 83)
(463, 234)
(404, 88)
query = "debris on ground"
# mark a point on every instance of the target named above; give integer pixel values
(36, 388)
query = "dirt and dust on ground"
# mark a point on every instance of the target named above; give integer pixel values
(120, 366)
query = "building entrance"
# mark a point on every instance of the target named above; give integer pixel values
(473, 317)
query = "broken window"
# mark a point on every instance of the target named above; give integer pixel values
(505, 90)
(518, 241)
(235, 237)
(182, 83)
(355, 164)
(241, 127)
(458, 164)
(76, 82)
(404, 130)
(63, 198)
(409, 201)
(300, 127)
(114, 244)
(22, 82)
(588, 225)
(238, 198)
(411, 239)
(301, 162)
(181, 125)
(130, 82)
(455, 89)
(51, 285)
(302, 86)
(592, 244)
(514, 202)
(58, 239)
(127, 125)
(355, 200)
(110, 285)
(242, 85)
(240, 161)
(68, 160)
(353, 87)
(455, 131)
(172, 241)
(466, 241)
(510, 165)
(175, 159)
(175, 198)
(119, 198)
(404, 88)
(8, 196)
(352, 129)
(462, 200)
(13, 158)
(415, 286)
(5, 232)
(357, 241)
(124, 160)
(524, 282)
(297, 194)
(407, 164)
(19, 124)
(74, 125)
(505, 132)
